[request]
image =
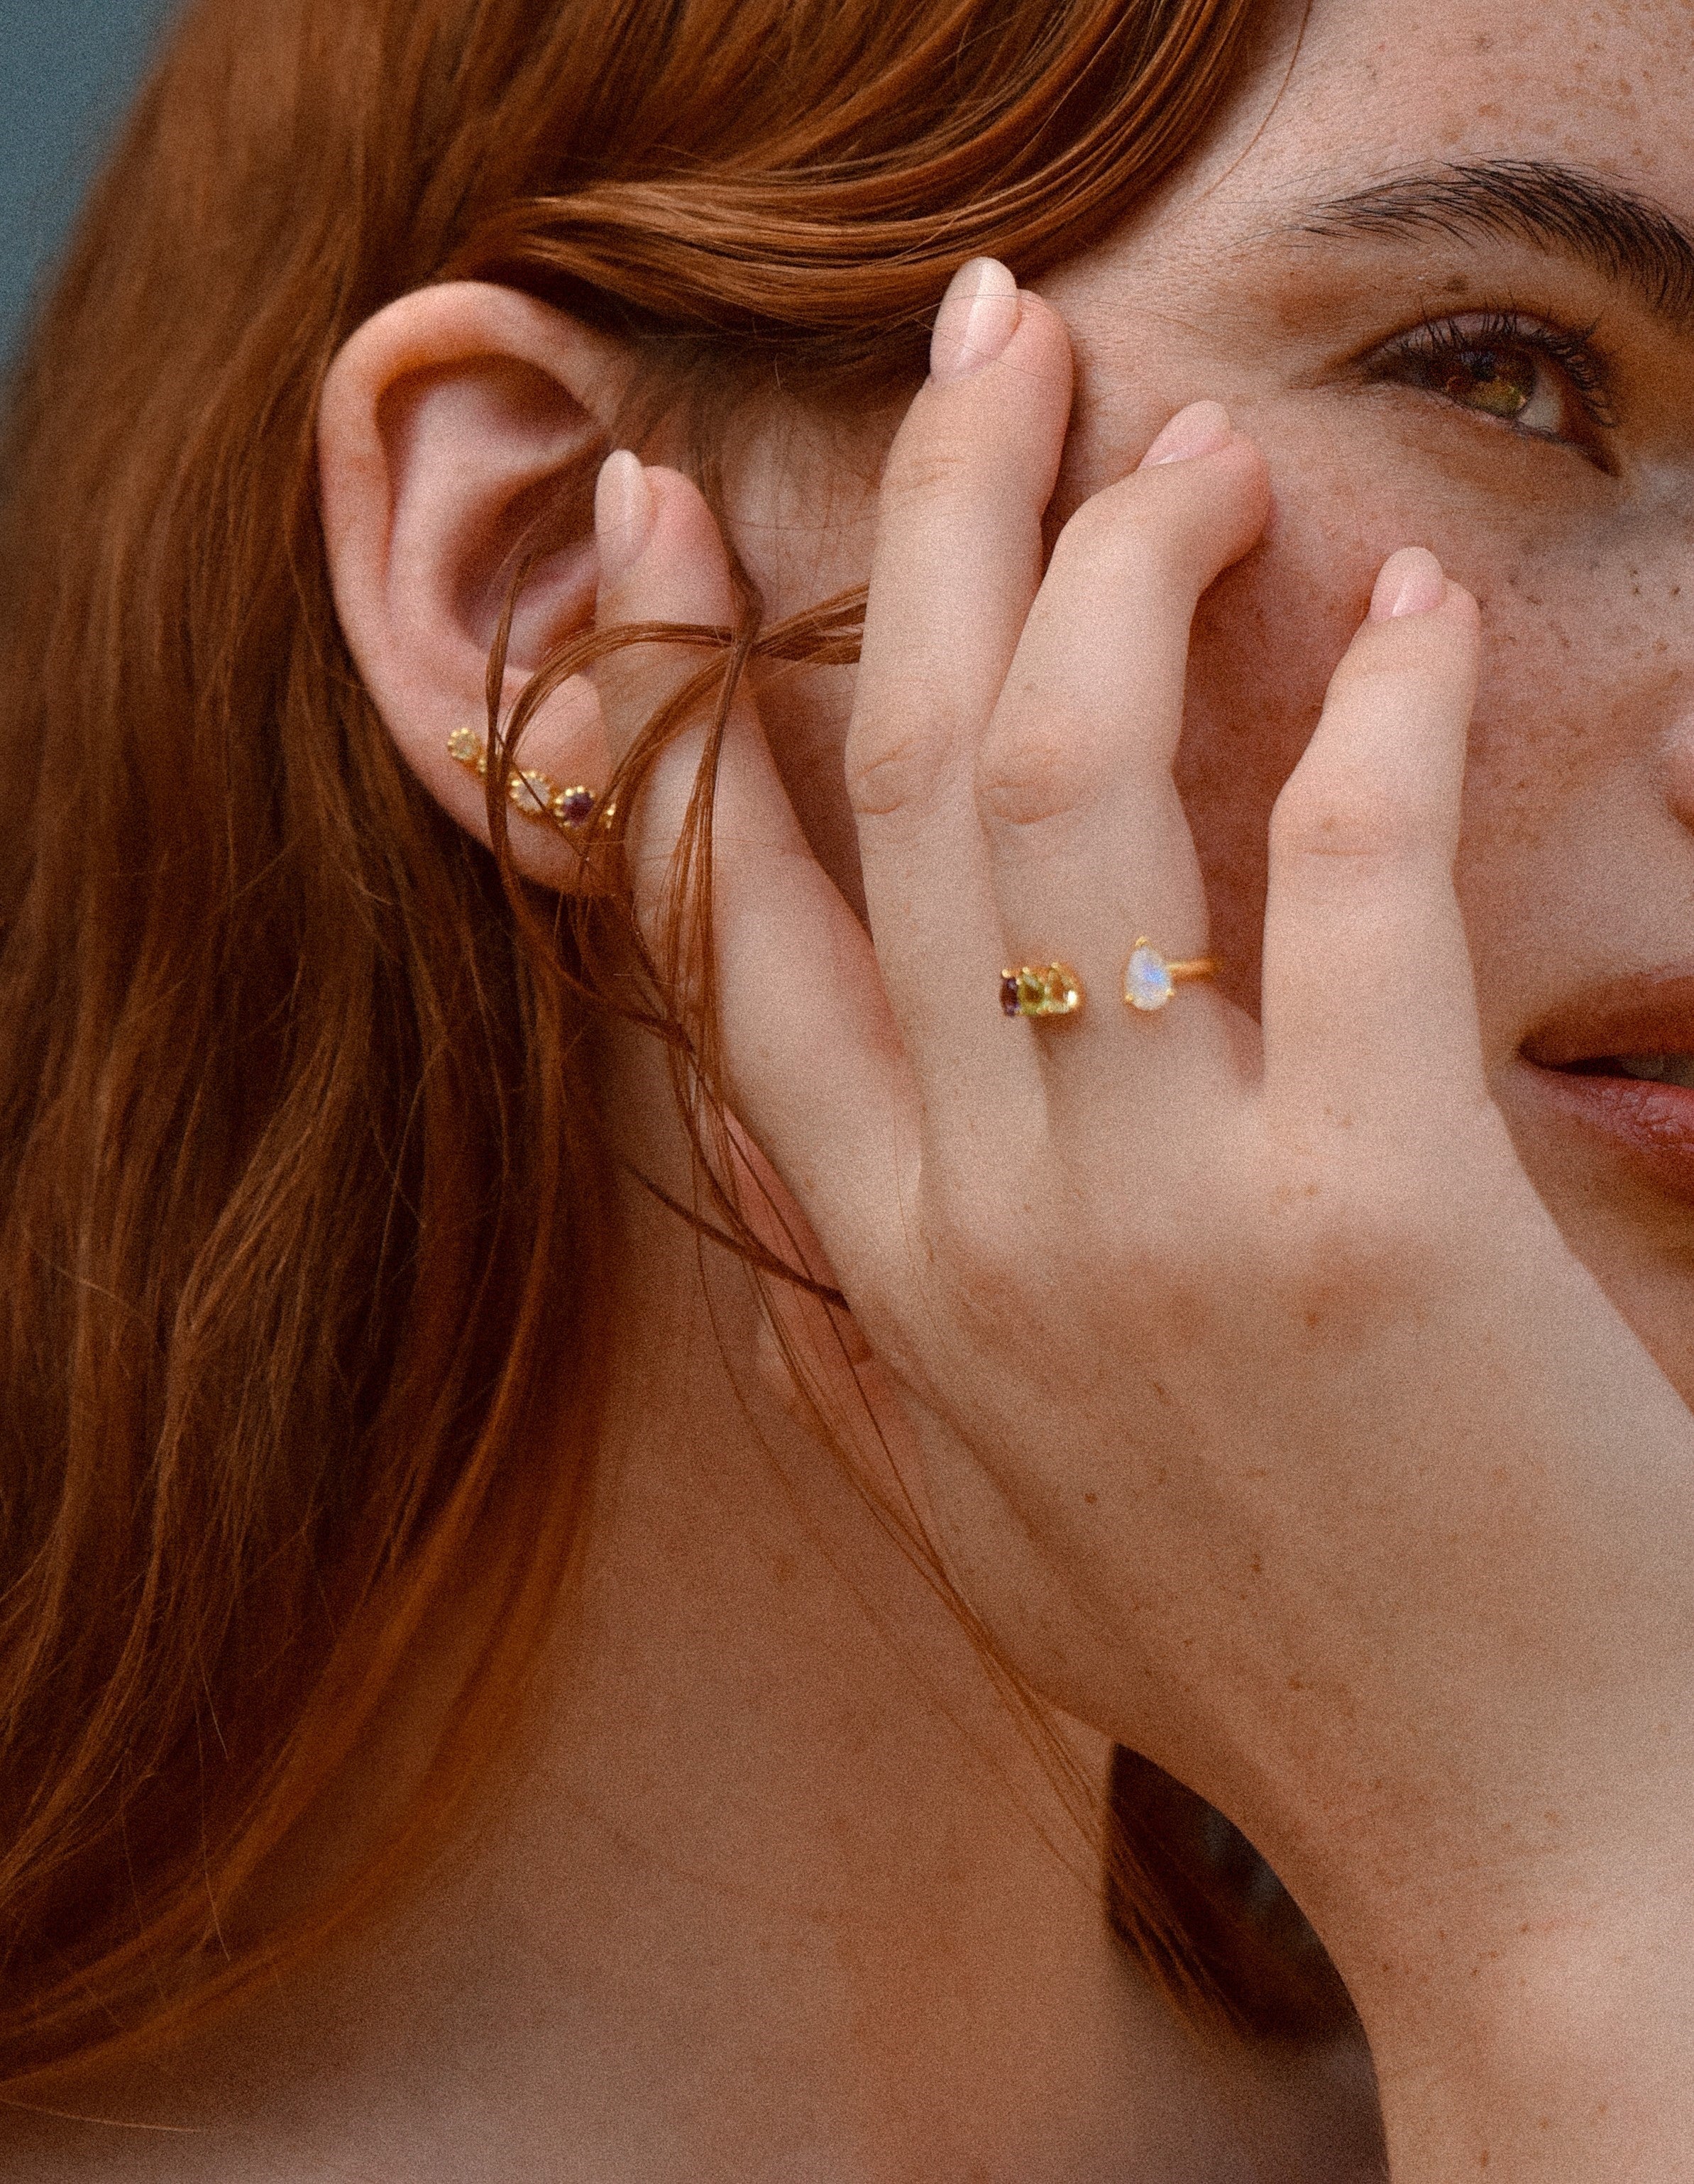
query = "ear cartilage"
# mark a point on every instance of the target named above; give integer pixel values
(530, 794)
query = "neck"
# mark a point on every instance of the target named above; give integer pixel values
(802, 1893)
(780, 1889)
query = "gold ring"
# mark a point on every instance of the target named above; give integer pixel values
(1150, 978)
(1040, 990)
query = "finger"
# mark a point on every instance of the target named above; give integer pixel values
(1088, 845)
(957, 562)
(1369, 1003)
(811, 1059)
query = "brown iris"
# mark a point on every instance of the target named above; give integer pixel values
(1500, 381)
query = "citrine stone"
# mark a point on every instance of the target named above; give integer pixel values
(1039, 989)
(1063, 995)
(1147, 982)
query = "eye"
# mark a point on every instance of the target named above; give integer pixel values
(1543, 381)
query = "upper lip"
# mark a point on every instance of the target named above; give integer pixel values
(1648, 1012)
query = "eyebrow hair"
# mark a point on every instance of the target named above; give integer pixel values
(1628, 239)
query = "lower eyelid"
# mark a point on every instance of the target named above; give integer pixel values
(1590, 450)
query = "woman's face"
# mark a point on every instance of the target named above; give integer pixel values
(1445, 278)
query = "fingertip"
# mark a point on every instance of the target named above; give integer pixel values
(661, 556)
(1410, 581)
(1462, 603)
(623, 514)
(978, 315)
(1201, 429)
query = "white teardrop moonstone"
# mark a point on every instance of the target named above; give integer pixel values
(1147, 982)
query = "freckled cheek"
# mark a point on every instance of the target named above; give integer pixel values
(1266, 641)
(1561, 648)
(1571, 674)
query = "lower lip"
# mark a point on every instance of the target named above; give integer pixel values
(1653, 1123)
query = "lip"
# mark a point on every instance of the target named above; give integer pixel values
(1651, 1125)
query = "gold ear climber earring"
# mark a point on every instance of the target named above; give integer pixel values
(530, 794)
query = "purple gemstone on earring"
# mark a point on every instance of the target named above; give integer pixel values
(576, 806)
(1009, 999)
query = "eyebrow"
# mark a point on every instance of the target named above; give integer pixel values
(1628, 239)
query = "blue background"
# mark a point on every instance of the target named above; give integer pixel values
(67, 69)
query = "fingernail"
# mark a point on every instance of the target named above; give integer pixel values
(1200, 430)
(978, 317)
(1411, 582)
(623, 513)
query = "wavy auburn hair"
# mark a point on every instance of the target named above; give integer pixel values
(299, 1174)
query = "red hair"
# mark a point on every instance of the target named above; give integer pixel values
(297, 1134)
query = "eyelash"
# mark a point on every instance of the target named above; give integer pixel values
(1570, 349)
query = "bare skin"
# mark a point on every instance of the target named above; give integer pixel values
(779, 1891)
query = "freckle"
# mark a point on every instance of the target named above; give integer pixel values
(1295, 1683)
(1091, 1499)
(1314, 1319)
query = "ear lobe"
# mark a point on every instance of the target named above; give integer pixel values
(458, 428)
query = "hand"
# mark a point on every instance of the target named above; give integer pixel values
(1266, 1420)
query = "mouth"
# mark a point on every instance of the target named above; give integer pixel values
(1639, 1068)
(1619, 1066)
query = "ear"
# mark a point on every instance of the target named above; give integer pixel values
(450, 424)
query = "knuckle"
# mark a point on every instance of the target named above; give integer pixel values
(1354, 1260)
(932, 470)
(1354, 824)
(1094, 527)
(1171, 526)
(1119, 539)
(1030, 774)
(895, 766)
